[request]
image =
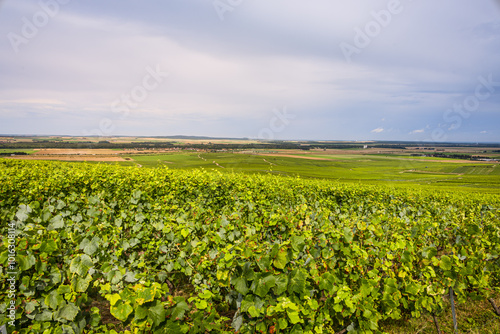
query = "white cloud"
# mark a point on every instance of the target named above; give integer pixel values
(416, 131)
(377, 130)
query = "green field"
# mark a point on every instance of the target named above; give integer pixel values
(370, 169)
(9, 150)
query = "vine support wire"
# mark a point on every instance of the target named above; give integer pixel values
(453, 312)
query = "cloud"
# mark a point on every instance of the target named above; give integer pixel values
(231, 74)
(416, 131)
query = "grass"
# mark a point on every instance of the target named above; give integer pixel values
(472, 317)
(396, 170)
(478, 170)
(372, 169)
(8, 150)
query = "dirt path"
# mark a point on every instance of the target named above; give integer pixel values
(293, 156)
(218, 164)
(427, 172)
(272, 164)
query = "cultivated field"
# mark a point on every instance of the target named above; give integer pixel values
(396, 167)
(351, 168)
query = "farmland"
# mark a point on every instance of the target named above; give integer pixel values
(107, 248)
(368, 168)
(398, 168)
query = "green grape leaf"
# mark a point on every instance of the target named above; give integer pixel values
(179, 310)
(281, 284)
(297, 282)
(262, 284)
(26, 261)
(240, 285)
(81, 264)
(48, 246)
(293, 315)
(445, 263)
(144, 294)
(327, 282)
(121, 310)
(80, 284)
(89, 247)
(298, 243)
(156, 313)
(68, 312)
(348, 236)
(281, 260)
(55, 223)
(54, 300)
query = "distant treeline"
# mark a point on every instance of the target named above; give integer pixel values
(394, 147)
(250, 146)
(170, 145)
(41, 144)
(12, 153)
(458, 156)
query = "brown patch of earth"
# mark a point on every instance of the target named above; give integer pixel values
(77, 152)
(427, 172)
(294, 156)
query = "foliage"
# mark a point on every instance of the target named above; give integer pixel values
(174, 251)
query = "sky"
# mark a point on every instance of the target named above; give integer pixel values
(412, 70)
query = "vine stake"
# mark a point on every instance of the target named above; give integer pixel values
(436, 323)
(453, 312)
(492, 302)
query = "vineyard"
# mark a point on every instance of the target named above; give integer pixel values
(108, 249)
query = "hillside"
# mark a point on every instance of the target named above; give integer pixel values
(102, 248)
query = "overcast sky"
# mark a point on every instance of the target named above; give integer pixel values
(282, 69)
